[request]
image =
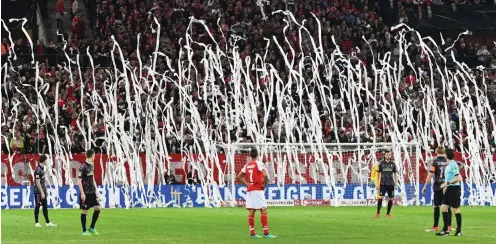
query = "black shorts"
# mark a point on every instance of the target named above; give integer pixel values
(89, 202)
(438, 198)
(452, 196)
(38, 202)
(387, 189)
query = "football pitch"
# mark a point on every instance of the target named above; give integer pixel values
(229, 225)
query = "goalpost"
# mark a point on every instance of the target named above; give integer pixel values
(336, 174)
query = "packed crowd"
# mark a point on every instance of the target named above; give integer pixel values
(67, 109)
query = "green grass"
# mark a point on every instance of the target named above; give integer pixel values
(229, 225)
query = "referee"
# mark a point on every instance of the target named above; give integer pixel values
(452, 193)
(89, 193)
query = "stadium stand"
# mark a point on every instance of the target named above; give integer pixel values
(345, 21)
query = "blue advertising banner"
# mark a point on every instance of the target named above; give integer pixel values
(198, 196)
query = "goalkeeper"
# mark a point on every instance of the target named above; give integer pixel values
(374, 180)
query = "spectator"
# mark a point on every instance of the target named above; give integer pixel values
(169, 178)
(23, 51)
(5, 50)
(483, 55)
(31, 147)
(78, 145)
(101, 54)
(74, 8)
(403, 19)
(40, 52)
(192, 177)
(349, 18)
(462, 52)
(5, 149)
(17, 143)
(91, 10)
(51, 52)
(59, 14)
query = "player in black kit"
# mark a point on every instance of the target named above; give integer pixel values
(40, 191)
(89, 194)
(388, 181)
(437, 172)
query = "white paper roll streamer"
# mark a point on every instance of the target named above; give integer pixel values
(161, 108)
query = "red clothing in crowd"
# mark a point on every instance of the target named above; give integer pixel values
(410, 80)
(41, 52)
(61, 102)
(75, 22)
(60, 7)
(347, 45)
(81, 27)
(78, 26)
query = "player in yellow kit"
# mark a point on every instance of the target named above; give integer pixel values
(374, 178)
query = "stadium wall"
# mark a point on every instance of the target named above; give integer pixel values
(194, 196)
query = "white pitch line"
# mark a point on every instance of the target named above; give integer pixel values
(483, 236)
(477, 227)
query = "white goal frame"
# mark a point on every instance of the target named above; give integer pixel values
(413, 150)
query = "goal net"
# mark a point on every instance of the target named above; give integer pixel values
(327, 174)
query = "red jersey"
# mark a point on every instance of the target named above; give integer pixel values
(254, 175)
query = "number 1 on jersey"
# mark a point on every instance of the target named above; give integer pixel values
(442, 169)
